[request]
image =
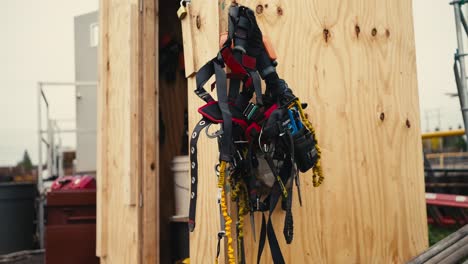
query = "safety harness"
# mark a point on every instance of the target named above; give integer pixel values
(262, 145)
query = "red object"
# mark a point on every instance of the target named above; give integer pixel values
(61, 183)
(445, 221)
(71, 227)
(181, 61)
(74, 183)
(249, 62)
(451, 200)
(446, 209)
(165, 40)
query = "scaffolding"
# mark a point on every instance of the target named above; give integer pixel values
(53, 143)
(459, 66)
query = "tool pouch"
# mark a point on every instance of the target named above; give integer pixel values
(305, 153)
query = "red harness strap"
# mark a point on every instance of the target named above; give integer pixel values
(237, 69)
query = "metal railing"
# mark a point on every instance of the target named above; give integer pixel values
(451, 160)
(460, 54)
(53, 154)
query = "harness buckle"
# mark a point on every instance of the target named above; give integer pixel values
(251, 111)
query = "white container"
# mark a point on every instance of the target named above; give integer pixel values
(181, 168)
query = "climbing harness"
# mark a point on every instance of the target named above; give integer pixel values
(262, 145)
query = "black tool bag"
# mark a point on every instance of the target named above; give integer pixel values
(305, 153)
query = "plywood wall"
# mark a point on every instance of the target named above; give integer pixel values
(201, 29)
(127, 213)
(354, 63)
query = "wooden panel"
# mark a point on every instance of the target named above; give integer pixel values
(354, 63)
(189, 58)
(203, 240)
(127, 149)
(205, 33)
(149, 223)
(122, 236)
(135, 103)
(204, 25)
(101, 139)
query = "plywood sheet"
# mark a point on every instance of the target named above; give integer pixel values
(205, 33)
(127, 221)
(149, 228)
(354, 63)
(122, 217)
(101, 170)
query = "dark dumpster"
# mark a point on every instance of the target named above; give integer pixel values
(16, 216)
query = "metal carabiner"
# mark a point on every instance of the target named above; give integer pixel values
(215, 134)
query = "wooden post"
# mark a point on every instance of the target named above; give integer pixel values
(354, 63)
(128, 208)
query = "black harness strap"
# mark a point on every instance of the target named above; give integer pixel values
(257, 84)
(234, 84)
(269, 232)
(203, 75)
(221, 90)
(240, 244)
(261, 242)
(272, 240)
(288, 230)
(194, 170)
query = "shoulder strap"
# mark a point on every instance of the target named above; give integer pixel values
(221, 90)
(202, 76)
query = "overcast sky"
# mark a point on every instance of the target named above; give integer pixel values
(37, 45)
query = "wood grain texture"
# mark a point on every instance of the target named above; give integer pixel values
(150, 184)
(352, 61)
(136, 97)
(205, 34)
(122, 239)
(101, 170)
(127, 221)
(189, 58)
(203, 240)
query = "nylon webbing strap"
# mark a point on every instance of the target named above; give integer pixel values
(261, 242)
(269, 232)
(194, 171)
(233, 19)
(234, 83)
(277, 175)
(241, 250)
(257, 84)
(203, 75)
(272, 240)
(288, 230)
(221, 90)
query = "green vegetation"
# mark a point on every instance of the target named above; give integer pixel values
(25, 164)
(437, 233)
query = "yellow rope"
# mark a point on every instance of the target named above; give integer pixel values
(317, 170)
(239, 194)
(243, 208)
(227, 218)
